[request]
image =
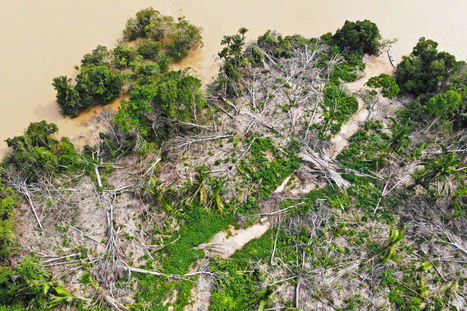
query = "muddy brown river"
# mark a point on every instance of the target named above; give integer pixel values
(44, 39)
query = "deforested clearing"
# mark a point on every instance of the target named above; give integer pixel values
(310, 175)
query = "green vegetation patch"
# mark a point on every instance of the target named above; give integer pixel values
(30, 287)
(8, 199)
(103, 73)
(268, 166)
(200, 225)
(388, 84)
(240, 286)
(338, 107)
(37, 152)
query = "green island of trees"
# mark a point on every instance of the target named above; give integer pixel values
(159, 39)
(261, 192)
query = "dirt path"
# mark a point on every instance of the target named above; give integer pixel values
(223, 244)
(375, 65)
(226, 243)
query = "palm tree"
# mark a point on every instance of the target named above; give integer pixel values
(399, 138)
(441, 169)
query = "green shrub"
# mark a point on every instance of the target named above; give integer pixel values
(388, 84)
(8, 199)
(426, 70)
(36, 152)
(338, 107)
(360, 36)
(237, 290)
(30, 287)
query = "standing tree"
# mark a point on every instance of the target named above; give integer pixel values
(233, 57)
(360, 36)
(388, 84)
(67, 96)
(441, 169)
(426, 70)
(36, 153)
(444, 106)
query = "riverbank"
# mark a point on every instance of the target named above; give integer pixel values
(245, 199)
(25, 77)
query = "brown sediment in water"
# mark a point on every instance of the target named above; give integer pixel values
(64, 31)
(88, 123)
(192, 61)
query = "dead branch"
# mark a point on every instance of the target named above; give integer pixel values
(110, 268)
(152, 166)
(275, 244)
(193, 124)
(237, 111)
(187, 141)
(23, 188)
(82, 233)
(173, 276)
(222, 109)
(243, 154)
(325, 166)
(297, 292)
(60, 258)
(159, 247)
(450, 240)
(281, 211)
(98, 176)
(311, 121)
(261, 121)
(119, 190)
(114, 303)
(62, 263)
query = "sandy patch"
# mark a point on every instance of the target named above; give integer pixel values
(375, 65)
(225, 244)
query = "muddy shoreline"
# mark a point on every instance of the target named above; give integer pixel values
(25, 77)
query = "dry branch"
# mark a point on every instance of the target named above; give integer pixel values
(23, 188)
(222, 109)
(194, 125)
(172, 276)
(98, 176)
(237, 111)
(187, 141)
(325, 166)
(82, 233)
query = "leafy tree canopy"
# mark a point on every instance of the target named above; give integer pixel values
(388, 84)
(123, 55)
(445, 105)
(154, 107)
(360, 36)
(161, 40)
(36, 152)
(149, 23)
(99, 56)
(95, 85)
(426, 70)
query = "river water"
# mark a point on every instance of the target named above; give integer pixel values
(44, 39)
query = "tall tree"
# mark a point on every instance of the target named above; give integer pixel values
(360, 36)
